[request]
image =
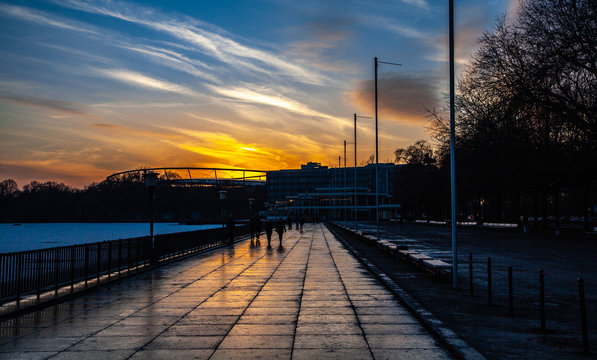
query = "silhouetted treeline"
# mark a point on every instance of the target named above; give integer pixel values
(526, 113)
(121, 200)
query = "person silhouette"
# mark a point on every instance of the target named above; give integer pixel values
(280, 227)
(269, 227)
(252, 229)
(257, 229)
(230, 229)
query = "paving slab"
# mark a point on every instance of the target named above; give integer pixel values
(310, 299)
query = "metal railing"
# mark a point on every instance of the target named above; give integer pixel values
(31, 273)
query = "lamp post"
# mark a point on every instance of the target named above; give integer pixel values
(355, 169)
(338, 196)
(344, 181)
(376, 62)
(222, 194)
(151, 181)
(452, 151)
(251, 204)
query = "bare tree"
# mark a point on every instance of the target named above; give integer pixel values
(420, 153)
(527, 111)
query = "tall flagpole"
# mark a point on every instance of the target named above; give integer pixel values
(376, 62)
(452, 152)
(355, 174)
(344, 181)
(376, 157)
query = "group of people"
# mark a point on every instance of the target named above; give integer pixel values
(279, 226)
(255, 227)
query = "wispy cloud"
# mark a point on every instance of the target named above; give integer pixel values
(397, 28)
(144, 81)
(216, 45)
(134, 105)
(63, 107)
(42, 18)
(276, 100)
(176, 61)
(106, 126)
(420, 3)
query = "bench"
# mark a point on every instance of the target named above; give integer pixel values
(418, 259)
(425, 262)
(370, 238)
(437, 266)
(405, 253)
(422, 261)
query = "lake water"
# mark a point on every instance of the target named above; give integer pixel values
(46, 235)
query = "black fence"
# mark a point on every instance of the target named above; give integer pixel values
(27, 273)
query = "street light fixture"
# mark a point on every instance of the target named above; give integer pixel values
(151, 182)
(376, 62)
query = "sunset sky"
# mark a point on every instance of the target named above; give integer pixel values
(89, 88)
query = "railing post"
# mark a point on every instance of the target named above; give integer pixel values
(489, 285)
(72, 268)
(542, 298)
(149, 250)
(119, 262)
(11, 286)
(510, 291)
(137, 246)
(19, 277)
(471, 290)
(99, 260)
(3, 273)
(128, 256)
(38, 273)
(109, 259)
(86, 263)
(583, 316)
(56, 270)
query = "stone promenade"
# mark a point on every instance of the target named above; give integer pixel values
(309, 299)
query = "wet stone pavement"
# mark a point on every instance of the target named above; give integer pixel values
(310, 299)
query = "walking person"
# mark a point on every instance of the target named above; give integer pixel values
(252, 230)
(257, 229)
(269, 227)
(280, 227)
(230, 229)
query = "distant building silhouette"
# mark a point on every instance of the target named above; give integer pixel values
(317, 190)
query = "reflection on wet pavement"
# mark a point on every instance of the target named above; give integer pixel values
(309, 299)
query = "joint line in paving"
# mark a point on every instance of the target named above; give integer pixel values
(258, 291)
(157, 301)
(135, 312)
(346, 291)
(206, 299)
(301, 295)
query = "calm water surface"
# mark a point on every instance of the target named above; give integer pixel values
(46, 235)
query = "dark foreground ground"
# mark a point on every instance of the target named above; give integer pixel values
(491, 329)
